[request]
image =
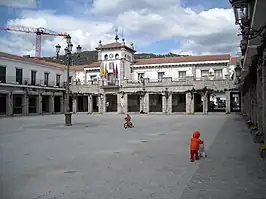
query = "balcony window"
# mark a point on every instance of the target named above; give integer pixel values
(58, 79)
(19, 75)
(182, 74)
(2, 74)
(160, 75)
(33, 77)
(46, 78)
(93, 77)
(204, 73)
(218, 74)
(140, 76)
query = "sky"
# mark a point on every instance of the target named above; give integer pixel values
(190, 27)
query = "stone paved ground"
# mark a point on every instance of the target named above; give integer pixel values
(98, 159)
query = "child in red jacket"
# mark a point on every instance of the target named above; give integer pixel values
(194, 146)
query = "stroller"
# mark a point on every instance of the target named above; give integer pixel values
(202, 152)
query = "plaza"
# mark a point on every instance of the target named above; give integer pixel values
(97, 158)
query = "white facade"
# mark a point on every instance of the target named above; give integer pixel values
(177, 71)
(27, 67)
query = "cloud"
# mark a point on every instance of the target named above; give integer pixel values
(142, 21)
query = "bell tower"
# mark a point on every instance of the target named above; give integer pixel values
(115, 59)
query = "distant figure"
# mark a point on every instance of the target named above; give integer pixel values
(128, 123)
(128, 118)
(194, 146)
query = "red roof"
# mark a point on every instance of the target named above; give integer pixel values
(41, 62)
(182, 59)
(165, 60)
(114, 45)
(234, 60)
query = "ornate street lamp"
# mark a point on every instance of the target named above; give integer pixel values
(238, 71)
(68, 55)
(242, 9)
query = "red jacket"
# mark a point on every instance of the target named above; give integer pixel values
(195, 141)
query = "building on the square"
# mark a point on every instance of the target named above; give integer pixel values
(29, 86)
(120, 83)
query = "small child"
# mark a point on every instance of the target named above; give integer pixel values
(194, 146)
(128, 119)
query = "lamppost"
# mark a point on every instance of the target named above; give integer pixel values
(68, 54)
(238, 71)
(142, 94)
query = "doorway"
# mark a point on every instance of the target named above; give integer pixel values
(95, 105)
(57, 104)
(235, 102)
(155, 103)
(32, 103)
(111, 103)
(18, 104)
(178, 102)
(3, 104)
(133, 103)
(45, 104)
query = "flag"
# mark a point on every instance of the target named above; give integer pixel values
(105, 71)
(101, 70)
(116, 72)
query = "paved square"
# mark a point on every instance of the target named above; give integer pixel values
(97, 158)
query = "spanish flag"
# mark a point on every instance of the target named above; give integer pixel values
(101, 70)
(105, 71)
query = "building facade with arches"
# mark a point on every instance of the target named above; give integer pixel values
(119, 83)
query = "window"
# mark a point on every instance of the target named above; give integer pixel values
(218, 74)
(58, 79)
(2, 74)
(204, 73)
(111, 66)
(19, 75)
(93, 77)
(105, 57)
(116, 56)
(70, 79)
(140, 76)
(46, 78)
(33, 77)
(182, 74)
(160, 76)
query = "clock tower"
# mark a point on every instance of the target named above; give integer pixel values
(115, 60)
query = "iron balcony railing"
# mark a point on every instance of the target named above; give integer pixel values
(30, 82)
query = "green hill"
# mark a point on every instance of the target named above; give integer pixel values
(87, 57)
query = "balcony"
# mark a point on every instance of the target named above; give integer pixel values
(12, 80)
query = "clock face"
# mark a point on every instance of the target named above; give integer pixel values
(111, 56)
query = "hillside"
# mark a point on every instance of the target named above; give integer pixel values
(87, 57)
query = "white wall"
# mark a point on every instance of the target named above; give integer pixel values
(124, 60)
(27, 67)
(153, 72)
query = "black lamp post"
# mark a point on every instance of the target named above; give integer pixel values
(68, 55)
(238, 71)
